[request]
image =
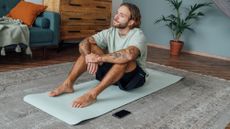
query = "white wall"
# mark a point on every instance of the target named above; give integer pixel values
(115, 5)
(212, 32)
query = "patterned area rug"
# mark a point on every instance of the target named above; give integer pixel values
(196, 102)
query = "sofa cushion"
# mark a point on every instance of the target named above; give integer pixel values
(26, 12)
(39, 35)
(42, 22)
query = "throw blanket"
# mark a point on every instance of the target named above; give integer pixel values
(13, 32)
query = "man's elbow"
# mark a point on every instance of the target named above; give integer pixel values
(132, 53)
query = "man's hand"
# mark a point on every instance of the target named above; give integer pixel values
(92, 58)
(92, 68)
(92, 61)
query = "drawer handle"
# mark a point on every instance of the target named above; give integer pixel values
(104, 0)
(98, 30)
(72, 18)
(101, 7)
(74, 31)
(78, 5)
(101, 19)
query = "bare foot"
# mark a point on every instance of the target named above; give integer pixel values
(66, 87)
(84, 100)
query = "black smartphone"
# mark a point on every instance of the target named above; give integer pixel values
(121, 114)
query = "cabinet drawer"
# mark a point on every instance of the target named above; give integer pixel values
(91, 5)
(76, 29)
(75, 36)
(73, 32)
(70, 18)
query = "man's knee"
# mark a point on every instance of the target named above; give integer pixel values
(81, 48)
(131, 66)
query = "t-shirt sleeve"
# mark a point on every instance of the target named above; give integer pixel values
(101, 38)
(138, 40)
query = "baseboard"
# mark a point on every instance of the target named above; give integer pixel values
(191, 52)
(158, 46)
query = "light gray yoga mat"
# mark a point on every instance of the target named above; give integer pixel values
(111, 98)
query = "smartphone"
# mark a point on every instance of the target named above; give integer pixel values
(121, 114)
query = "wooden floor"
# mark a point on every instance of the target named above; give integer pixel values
(199, 64)
(194, 63)
(15, 61)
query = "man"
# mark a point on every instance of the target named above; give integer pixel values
(116, 56)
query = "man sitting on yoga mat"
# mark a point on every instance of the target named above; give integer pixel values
(116, 56)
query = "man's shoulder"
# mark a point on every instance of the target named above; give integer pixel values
(107, 32)
(137, 30)
(110, 29)
(137, 33)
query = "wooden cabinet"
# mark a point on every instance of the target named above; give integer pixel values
(81, 18)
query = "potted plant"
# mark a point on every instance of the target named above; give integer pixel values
(178, 23)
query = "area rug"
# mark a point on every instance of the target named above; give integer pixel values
(110, 99)
(196, 102)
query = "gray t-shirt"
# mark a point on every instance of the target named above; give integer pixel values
(110, 40)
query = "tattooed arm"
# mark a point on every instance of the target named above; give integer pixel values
(123, 56)
(85, 49)
(85, 44)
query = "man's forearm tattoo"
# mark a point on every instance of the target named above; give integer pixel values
(119, 55)
(129, 53)
(122, 56)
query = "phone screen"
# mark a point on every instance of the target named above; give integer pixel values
(121, 114)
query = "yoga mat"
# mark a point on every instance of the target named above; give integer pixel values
(110, 99)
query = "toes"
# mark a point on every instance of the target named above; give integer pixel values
(81, 104)
(52, 94)
(76, 104)
(83, 101)
(59, 91)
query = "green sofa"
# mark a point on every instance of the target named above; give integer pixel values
(45, 30)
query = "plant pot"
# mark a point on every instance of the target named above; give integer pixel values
(176, 47)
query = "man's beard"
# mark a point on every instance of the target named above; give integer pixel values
(121, 25)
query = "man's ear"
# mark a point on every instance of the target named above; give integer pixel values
(131, 22)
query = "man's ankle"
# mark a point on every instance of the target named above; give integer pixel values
(93, 94)
(68, 83)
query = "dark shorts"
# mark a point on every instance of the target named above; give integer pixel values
(129, 81)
